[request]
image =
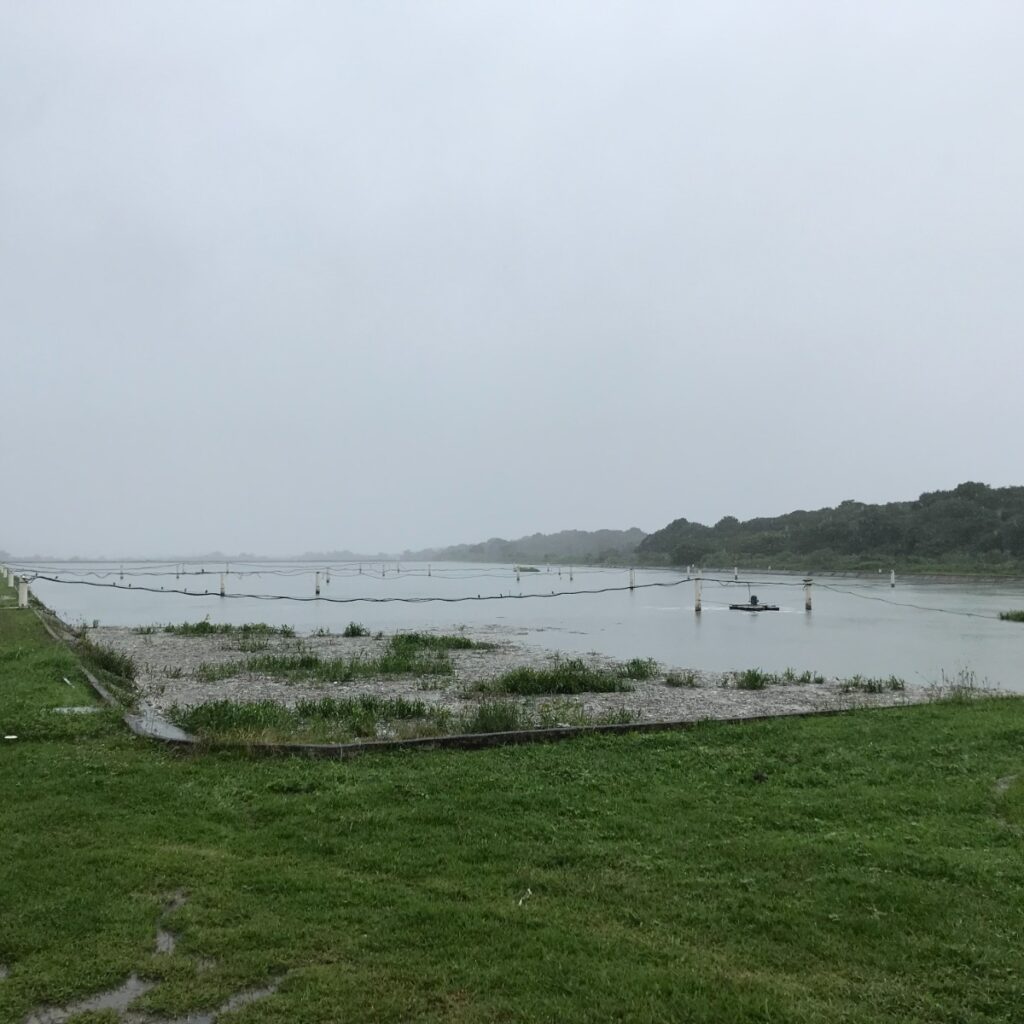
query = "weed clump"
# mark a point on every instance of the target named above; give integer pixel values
(207, 628)
(570, 676)
(640, 668)
(681, 679)
(415, 654)
(754, 679)
(862, 684)
(1014, 616)
(355, 629)
(97, 656)
(309, 720)
(495, 716)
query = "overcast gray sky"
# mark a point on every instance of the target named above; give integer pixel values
(288, 276)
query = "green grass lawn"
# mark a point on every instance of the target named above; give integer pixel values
(863, 867)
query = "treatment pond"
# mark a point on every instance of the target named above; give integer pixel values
(920, 630)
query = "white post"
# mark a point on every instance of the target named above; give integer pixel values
(735, 573)
(428, 568)
(122, 572)
(632, 579)
(22, 593)
(518, 580)
(327, 575)
(696, 593)
(318, 583)
(807, 595)
(570, 574)
(892, 577)
(222, 575)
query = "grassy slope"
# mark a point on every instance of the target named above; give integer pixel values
(876, 875)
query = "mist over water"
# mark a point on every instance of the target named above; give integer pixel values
(918, 630)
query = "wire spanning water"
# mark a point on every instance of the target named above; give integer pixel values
(918, 630)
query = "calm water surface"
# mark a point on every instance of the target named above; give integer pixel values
(857, 625)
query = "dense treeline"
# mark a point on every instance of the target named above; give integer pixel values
(582, 546)
(972, 527)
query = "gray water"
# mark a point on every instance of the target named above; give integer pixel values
(918, 630)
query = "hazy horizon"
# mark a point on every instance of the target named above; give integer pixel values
(389, 552)
(281, 278)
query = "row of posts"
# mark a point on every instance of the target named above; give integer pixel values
(19, 584)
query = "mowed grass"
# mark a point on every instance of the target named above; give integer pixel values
(859, 868)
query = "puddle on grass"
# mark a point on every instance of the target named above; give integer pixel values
(4, 972)
(117, 999)
(90, 710)
(120, 999)
(236, 1002)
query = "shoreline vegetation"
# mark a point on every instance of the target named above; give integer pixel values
(866, 866)
(260, 684)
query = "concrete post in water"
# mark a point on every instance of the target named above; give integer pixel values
(892, 577)
(632, 579)
(317, 584)
(735, 573)
(222, 576)
(807, 594)
(428, 568)
(327, 576)
(696, 592)
(22, 593)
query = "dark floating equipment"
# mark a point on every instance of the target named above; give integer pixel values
(753, 605)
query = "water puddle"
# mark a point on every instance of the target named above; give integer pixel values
(4, 972)
(121, 998)
(90, 710)
(236, 1002)
(154, 726)
(117, 999)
